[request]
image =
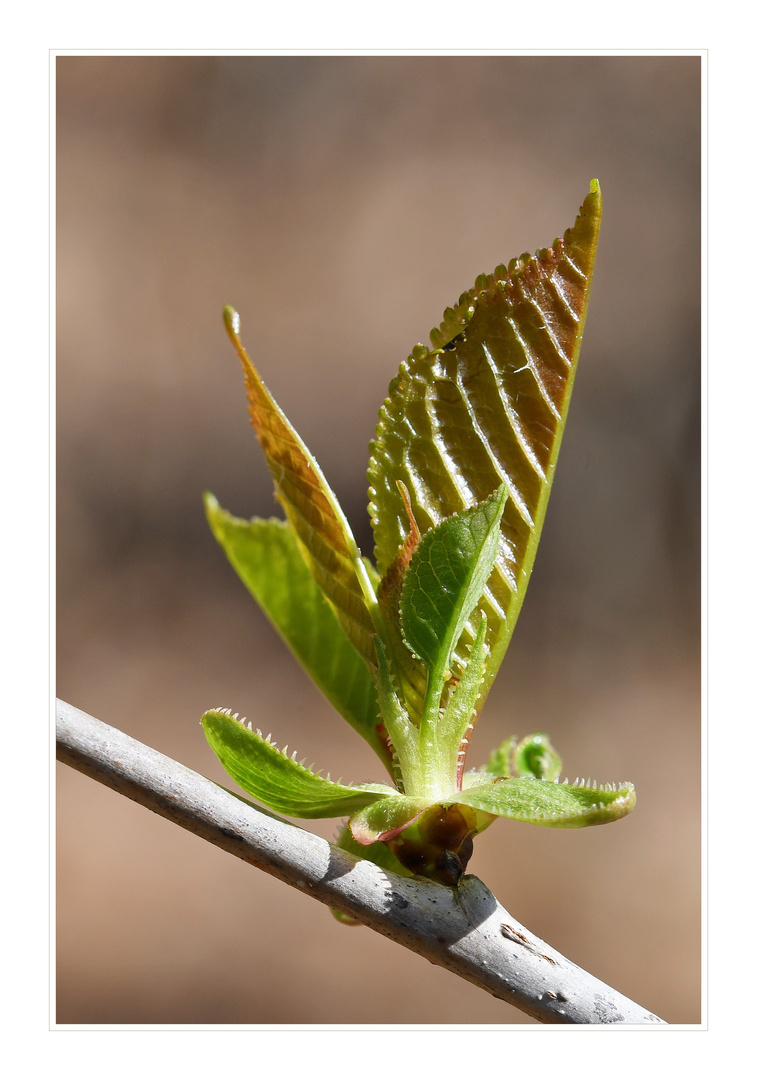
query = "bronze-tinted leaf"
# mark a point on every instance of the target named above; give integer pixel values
(487, 406)
(310, 505)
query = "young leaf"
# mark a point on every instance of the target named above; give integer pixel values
(410, 673)
(536, 756)
(486, 406)
(455, 725)
(500, 761)
(446, 578)
(325, 537)
(533, 756)
(279, 781)
(377, 853)
(546, 802)
(385, 818)
(402, 732)
(268, 559)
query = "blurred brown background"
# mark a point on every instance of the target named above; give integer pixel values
(341, 203)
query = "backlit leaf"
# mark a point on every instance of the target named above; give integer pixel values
(488, 406)
(268, 559)
(312, 508)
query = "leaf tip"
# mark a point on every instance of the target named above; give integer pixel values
(590, 212)
(231, 321)
(211, 505)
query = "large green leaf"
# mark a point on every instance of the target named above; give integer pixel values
(488, 406)
(268, 559)
(277, 780)
(326, 540)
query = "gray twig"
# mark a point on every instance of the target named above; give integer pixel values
(464, 929)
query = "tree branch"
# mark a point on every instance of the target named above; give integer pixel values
(465, 930)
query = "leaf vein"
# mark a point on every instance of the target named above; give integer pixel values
(512, 420)
(554, 283)
(532, 367)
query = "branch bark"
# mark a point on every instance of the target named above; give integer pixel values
(465, 930)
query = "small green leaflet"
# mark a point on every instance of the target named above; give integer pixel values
(445, 580)
(386, 818)
(281, 782)
(533, 756)
(546, 802)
